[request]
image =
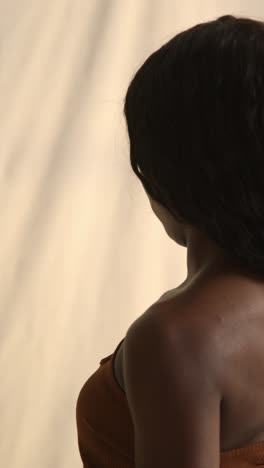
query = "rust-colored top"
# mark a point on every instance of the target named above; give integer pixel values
(105, 428)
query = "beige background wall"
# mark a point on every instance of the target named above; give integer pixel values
(81, 253)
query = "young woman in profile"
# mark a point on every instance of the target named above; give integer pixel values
(185, 387)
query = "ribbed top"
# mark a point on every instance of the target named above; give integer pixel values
(105, 428)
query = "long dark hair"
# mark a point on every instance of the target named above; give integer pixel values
(195, 118)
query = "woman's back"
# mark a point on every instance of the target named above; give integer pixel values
(230, 309)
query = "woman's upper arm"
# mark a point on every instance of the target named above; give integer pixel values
(173, 397)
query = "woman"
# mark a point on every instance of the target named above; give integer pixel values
(185, 387)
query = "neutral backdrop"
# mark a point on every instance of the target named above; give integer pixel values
(81, 253)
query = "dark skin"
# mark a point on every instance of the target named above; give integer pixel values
(195, 358)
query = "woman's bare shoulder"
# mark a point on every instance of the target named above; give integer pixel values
(214, 307)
